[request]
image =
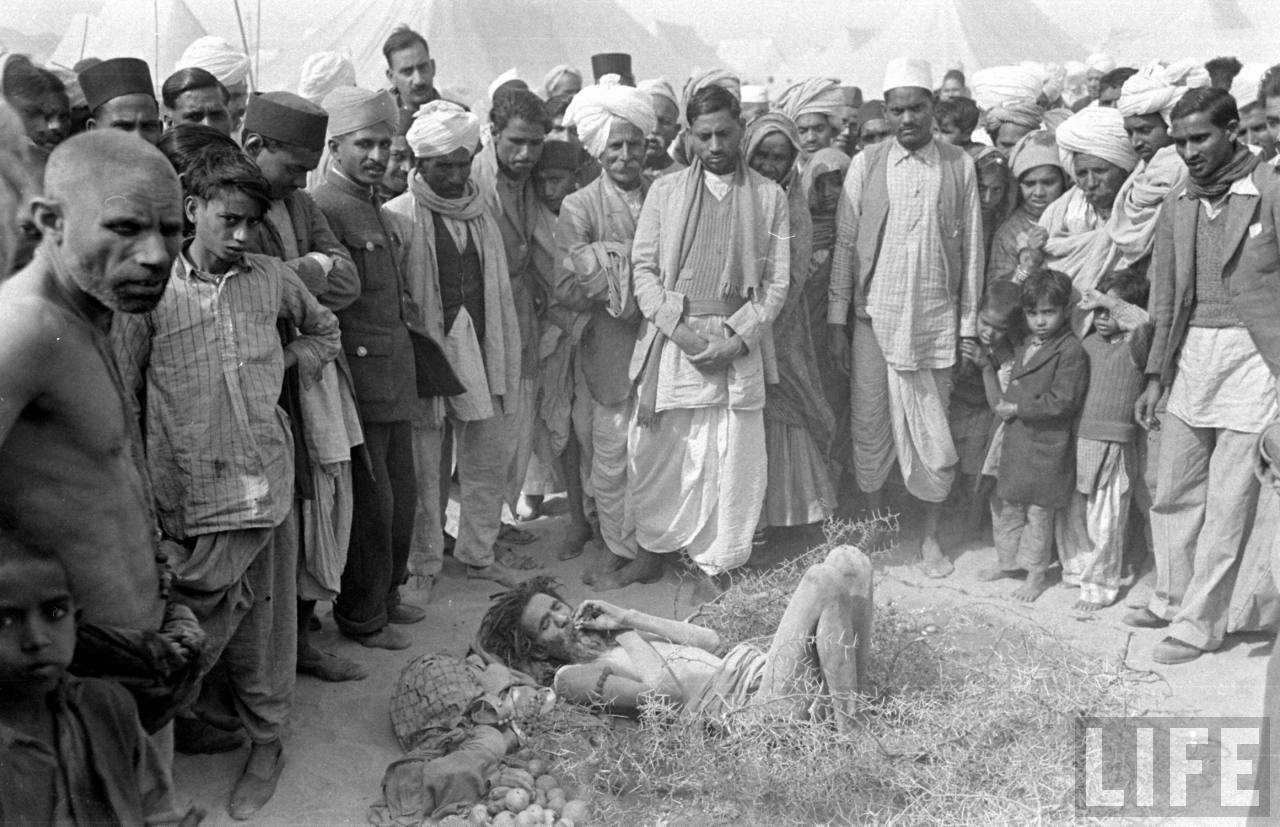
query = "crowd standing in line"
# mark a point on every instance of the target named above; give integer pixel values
(250, 339)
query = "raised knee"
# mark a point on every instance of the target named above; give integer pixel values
(851, 561)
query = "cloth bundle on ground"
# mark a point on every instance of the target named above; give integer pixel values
(452, 716)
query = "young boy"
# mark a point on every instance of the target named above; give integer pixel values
(1091, 543)
(220, 450)
(1037, 461)
(956, 120)
(71, 750)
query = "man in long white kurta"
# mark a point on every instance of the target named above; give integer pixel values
(711, 270)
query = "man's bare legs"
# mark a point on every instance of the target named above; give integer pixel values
(830, 615)
(579, 532)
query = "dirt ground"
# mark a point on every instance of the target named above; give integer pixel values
(340, 739)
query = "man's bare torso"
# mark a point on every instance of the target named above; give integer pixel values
(68, 476)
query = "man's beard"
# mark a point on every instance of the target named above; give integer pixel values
(580, 646)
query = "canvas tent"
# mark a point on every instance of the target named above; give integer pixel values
(970, 34)
(473, 41)
(157, 32)
(1207, 29)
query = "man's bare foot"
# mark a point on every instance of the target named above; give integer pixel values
(645, 568)
(990, 575)
(1031, 588)
(933, 563)
(498, 573)
(1088, 606)
(575, 540)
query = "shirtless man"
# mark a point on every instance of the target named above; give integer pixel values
(70, 455)
(600, 653)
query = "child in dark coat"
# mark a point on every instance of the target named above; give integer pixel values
(1038, 461)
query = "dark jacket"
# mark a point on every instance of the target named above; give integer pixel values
(1038, 461)
(1251, 272)
(375, 332)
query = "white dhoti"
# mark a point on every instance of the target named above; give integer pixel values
(698, 477)
(610, 427)
(1091, 537)
(900, 415)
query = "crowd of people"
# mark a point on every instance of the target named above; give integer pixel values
(249, 340)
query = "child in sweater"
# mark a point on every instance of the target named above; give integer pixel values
(71, 750)
(1092, 535)
(1037, 463)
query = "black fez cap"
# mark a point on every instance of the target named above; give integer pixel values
(114, 78)
(611, 63)
(287, 118)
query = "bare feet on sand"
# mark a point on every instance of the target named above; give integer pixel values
(576, 537)
(1031, 588)
(994, 573)
(645, 568)
(1088, 606)
(932, 561)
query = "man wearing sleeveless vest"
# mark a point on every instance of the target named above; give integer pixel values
(908, 262)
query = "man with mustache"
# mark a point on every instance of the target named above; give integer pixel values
(375, 338)
(411, 70)
(906, 276)
(1216, 350)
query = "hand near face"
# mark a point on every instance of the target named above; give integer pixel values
(599, 616)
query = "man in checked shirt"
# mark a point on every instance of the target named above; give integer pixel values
(219, 448)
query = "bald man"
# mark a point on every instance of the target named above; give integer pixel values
(70, 477)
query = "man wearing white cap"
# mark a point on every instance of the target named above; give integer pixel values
(226, 63)
(594, 235)
(375, 339)
(755, 102)
(456, 272)
(908, 264)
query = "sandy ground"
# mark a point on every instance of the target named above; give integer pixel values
(340, 739)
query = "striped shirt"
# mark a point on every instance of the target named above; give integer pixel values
(219, 448)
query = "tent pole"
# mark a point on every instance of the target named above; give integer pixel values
(155, 10)
(84, 41)
(257, 43)
(244, 41)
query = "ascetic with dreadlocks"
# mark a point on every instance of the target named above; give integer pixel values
(599, 653)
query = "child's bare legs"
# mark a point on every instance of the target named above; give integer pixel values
(1007, 521)
(831, 610)
(1034, 549)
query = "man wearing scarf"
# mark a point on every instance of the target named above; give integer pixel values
(375, 339)
(594, 235)
(908, 264)
(456, 273)
(1216, 349)
(711, 263)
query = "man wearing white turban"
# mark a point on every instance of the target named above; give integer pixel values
(593, 276)
(906, 274)
(562, 80)
(226, 63)
(815, 106)
(376, 340)
(1095, 151)
(1009, 95)
(1096, 65)
(1246, 90)
(456, 274)
(666, 110)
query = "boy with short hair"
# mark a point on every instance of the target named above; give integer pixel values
(956, 119)
(220, 449)
(1091, 542)
(71, 750)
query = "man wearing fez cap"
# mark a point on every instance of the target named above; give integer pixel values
(120, 96)
(613, 63)
(285, 134)
(379, 351)
(906, 276)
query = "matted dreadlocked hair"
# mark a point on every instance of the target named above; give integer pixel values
(502, 637)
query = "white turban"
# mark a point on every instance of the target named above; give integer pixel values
(1005, 84)
(1097, 131)
(1245, 87)
(217, 57)
(1100, 62)
(506, 76)
(441, 127)
(813, 96)
(1153, 90)
(554, 76)
(594, 109)
(659, 87)
(323, 72)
